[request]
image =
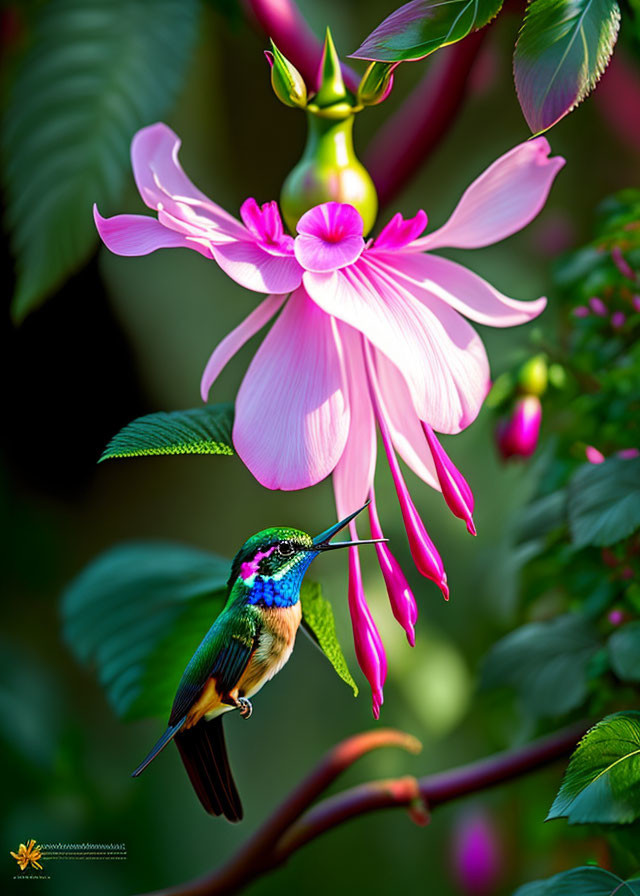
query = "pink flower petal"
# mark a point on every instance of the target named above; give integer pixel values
(234, 341)
(503, 200)
(162, 182)
(253, 267)
(462, 289)
(439, 355)
(292, 416)
(404, 426)
(399, 232)
(329, 237)
(354, 472)
(140, 235)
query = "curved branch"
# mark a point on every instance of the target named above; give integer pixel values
(282, 21)
(288, 830)
(407, 138)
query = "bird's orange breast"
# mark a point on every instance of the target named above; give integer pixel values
(273, 649)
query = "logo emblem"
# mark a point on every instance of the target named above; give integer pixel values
(28, 855)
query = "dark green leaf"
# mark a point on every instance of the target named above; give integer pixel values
(318, 622)
(602, 781)
(624, 652)
(546, 663)
(563, 48)
(604, 502)
(138, 612)
(204, 430)
(586, 881)
(418, 28)
(542, 516)
(97, 71)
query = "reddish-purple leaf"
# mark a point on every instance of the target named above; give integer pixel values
(422, 26)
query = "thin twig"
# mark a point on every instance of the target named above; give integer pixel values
(406, 140)
(287, 830)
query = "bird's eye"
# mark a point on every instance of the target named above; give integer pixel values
(285, 549)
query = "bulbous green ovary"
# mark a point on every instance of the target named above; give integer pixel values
(329, 171)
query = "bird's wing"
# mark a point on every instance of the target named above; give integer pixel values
(223, 655)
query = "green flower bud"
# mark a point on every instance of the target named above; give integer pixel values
(329, 169)
(287, 82)
(332, 89)
(533, 376)
(376, 83)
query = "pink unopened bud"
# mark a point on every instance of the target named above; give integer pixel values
(581, 311)
(598, 306)
(477, 854)
(616, 616)
(622, 264)
(403, 603)
(518, 436)
(369, 648)
(593, 455)
(455, 488)
(628, 453)
(617, 319)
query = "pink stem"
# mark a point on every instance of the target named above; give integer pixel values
(407, 138)
(282, 21)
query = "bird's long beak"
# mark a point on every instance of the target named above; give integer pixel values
(322, 542)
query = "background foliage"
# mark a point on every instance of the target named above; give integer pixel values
(124, 338)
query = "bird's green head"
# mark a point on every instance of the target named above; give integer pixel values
(272, 563)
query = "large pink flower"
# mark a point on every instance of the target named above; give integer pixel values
(369, 333)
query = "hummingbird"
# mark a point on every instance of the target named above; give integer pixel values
(248, 643)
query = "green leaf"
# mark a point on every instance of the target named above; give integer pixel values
(542, 516)
(137, 613)
(418, 28)
(586, 881)
(624, 652)
(563, 49)
(96, 72)
(604, 502)
(204, 430)
(319, 624)
(602, 781)
(546, 663)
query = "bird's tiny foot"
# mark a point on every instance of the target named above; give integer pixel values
(245, 707)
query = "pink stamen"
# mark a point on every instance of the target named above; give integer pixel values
(423, 550)
(455, 488)
(369, 649)
(403, 603)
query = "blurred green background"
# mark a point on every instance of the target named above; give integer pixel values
(127, 336)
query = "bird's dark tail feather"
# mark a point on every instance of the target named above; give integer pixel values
(204, 754)
(166, 738)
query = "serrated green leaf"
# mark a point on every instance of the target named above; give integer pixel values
(204, 430)
(586, 881)
(318, 622)
(563, 49)
(137, 613)
(604, 502)
(546, 663)
(624, 652)
(96, 72)
(602, 781)
(422, 26)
